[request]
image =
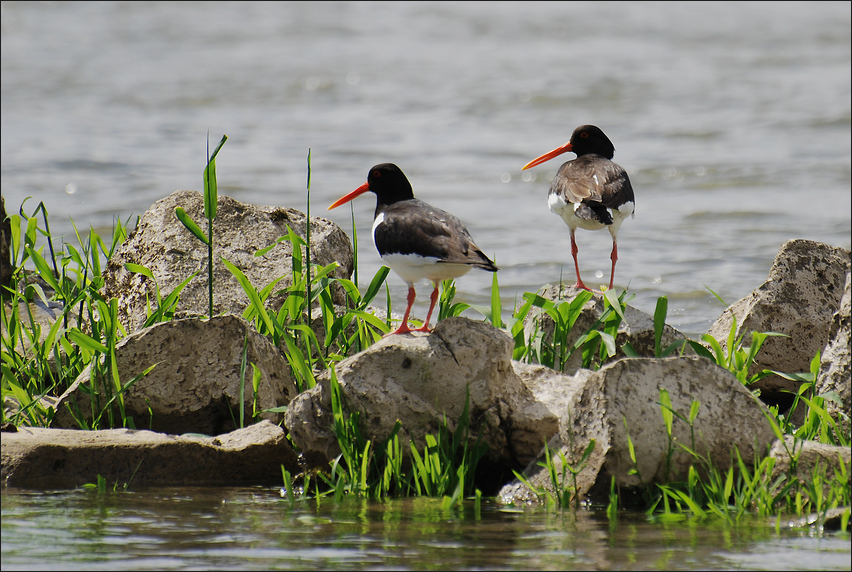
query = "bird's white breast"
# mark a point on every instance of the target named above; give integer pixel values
(413, 267)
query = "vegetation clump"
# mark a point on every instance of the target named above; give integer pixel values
(42, 357)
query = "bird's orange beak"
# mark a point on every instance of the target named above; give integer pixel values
(345, 199)
(548, 156)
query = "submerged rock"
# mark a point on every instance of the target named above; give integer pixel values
(35, 457)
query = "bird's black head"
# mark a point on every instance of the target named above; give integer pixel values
(590, 140)
(389, 184)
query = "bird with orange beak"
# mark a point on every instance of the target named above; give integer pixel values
(415, 239)
(591, 191)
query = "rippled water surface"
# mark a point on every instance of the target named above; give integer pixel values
(732, 119)
(257, 529)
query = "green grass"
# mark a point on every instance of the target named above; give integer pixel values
(744, 489)
(211, 200)
(562, 494)
(39, 361)
(444, 468)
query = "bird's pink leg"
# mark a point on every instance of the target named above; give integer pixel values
(425, 326)
(614, 257)
(579, 283)
(403, 327)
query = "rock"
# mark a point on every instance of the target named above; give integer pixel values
(553, 393)
(637, 327)
(62, 458)
(38, 415)
(195, 386)
(830, 520)
(834, 372)
(834, 518)
(163, 244)
(420, 379)
(627, 392)
(799, 298)
(808, 455)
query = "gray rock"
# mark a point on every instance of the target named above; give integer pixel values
(832, 520)
(195, 386)
(623, 397)
(163, 244)
(553, 393)
(799, 298)
(35, 457)
(420, 379)
(811, 458)
(43, 317)
(808, 455)
(834, 372)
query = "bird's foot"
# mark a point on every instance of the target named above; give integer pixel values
(403, 329)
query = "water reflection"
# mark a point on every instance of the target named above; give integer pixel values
(255, 528)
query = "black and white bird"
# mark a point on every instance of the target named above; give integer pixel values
(415, 239)
(591, 191)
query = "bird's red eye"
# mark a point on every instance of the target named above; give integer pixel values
(584, 134)
(377, 173)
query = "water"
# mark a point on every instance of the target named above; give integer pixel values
(256, 529)
(732, 119)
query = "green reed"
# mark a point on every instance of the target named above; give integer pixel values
(444, 468)
(211, 201)
(39, 361)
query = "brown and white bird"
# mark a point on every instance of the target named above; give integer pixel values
(416, 239)
(591, 191)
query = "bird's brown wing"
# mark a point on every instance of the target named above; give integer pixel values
(588, 179)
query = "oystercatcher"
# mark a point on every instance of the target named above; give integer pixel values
(416, 239)
(590, 191)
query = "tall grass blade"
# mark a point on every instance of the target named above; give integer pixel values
(211, 187)
(191, 226)
(659, 323)
(496, 307)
